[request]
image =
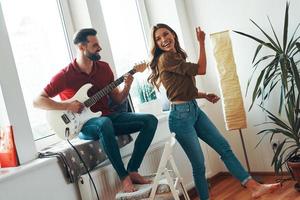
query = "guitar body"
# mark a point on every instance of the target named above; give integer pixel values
(61, 120)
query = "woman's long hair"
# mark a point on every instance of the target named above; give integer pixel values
(156, 52)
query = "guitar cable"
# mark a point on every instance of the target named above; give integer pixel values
(67, 133)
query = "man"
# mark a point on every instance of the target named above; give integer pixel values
(87, 68)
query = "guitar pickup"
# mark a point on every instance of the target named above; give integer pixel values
(65, 118)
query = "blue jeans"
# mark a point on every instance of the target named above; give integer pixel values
(105, 129)
(189, 123)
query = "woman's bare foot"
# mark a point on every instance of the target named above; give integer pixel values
(136, 178)
(127, 185)
(259, 190)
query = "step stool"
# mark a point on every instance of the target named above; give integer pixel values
(165, 183)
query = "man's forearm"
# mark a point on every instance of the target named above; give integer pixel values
(124, 93)
(49, 104)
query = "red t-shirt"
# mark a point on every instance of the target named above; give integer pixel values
(70, 79)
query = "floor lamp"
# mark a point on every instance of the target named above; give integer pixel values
(232, 101)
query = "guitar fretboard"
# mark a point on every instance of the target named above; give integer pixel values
(107, 89)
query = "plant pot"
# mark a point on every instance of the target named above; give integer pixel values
(295, 168)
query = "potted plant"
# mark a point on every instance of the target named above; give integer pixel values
(146, 92)
(288, 151)
(279, 68)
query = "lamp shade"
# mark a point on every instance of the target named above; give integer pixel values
(232, 101)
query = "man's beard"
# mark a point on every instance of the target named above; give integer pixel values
(93, 56)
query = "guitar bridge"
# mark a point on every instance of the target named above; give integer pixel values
(65, 118)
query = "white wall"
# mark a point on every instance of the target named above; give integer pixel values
(38, 180)
(45, 180)
(216, 15)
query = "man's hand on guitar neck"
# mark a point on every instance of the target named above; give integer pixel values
(75, 106)
(128, 78)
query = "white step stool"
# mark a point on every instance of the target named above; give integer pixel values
(165, 184)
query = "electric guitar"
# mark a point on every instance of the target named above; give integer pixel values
(67, 124)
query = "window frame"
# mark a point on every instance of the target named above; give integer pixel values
(69, 30)
(14, 100)
(98, 22)
(27, 147)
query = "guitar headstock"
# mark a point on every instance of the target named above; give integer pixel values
(140, 67)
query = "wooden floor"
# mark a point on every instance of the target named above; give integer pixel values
(228, 188)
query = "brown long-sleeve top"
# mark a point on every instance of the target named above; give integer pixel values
(178, 77)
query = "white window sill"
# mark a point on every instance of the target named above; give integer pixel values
(41, 144)
(12, 172)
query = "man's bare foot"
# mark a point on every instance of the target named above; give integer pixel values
(127, 185)
(136, 178)
(259, 190)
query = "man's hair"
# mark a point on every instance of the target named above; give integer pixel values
(82, 34)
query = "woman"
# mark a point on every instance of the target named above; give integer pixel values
(186, 119)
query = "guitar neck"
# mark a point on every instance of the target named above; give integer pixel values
(106, 90)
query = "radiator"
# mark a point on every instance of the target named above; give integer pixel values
(107, 181)
(108, 184)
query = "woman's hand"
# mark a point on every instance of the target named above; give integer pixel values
(200, 34)
(211, 97)
(202, 55)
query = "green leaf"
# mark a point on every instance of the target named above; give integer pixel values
(257, 40)
(261, 139)
(277, 152)
(277, 121)
(290, 114)
(298, 47)
(286, 24)
(295, 74)
(270, 71)
(255, 91)
(284, 74)
(262, 59)
(287, 148)
(278, 49)
(292, 153)
(256, 52)
(298, 44)
(270, 78)
(248, 84)
(285, 132)
(290, 46)
(281, 100)
(273, 84)
(278, 43)
(266, 131)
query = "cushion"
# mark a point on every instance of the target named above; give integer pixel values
(144, 190)
(90, 151)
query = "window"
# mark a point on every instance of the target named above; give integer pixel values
(128, 44)
(3, 114)
(40, 50)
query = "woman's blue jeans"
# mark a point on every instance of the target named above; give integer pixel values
(105, 129)
(189, 123)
